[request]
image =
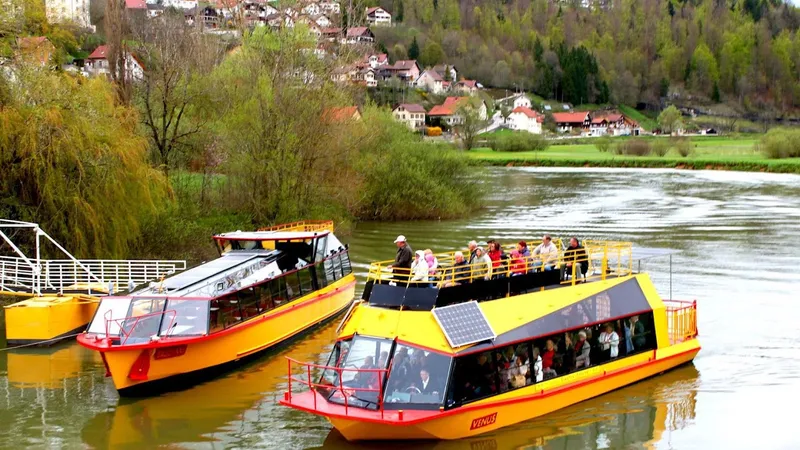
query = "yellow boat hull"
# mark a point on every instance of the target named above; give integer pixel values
(240, 341)
(509, 408)
(46, 320)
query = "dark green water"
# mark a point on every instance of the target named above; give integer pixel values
(740, 237)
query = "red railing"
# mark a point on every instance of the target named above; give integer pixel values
(344, 391)
(681, 320)
(121, 323)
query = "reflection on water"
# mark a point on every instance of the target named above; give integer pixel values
(739, 232)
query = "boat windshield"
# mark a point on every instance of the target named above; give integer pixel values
(138, 320)
(416, 377)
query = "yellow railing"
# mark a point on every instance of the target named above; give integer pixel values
(681, 320)
(602, 259)
(303, 225)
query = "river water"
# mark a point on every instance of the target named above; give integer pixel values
(739, 236)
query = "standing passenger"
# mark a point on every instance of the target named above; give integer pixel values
(609, 342)
(402, 261)
(582, 349)
(473, 247)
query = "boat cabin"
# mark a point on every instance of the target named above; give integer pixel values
(256, 272)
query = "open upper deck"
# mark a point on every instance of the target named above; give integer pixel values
(452, 281)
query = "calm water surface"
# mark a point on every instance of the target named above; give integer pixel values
(740, 239)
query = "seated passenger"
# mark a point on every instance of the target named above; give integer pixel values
(547, 253)
(582, 350)
(609, 342)
(367, 378)
(575, 256)
(458, 273)
(537, 375)
(482, 267)
(496, 255)
(519, 373)
(425, 385)
(547, 356)
(518, 266)
(558, 368)
(419, 269)
(522, 248)
(433, 264)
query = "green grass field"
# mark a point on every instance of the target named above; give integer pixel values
(729, 153)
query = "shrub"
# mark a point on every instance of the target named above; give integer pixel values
(603, 144)
(633, 147)
(781, 143)
(659, 147)
(519, 142)
(433, 131)
(684, 146)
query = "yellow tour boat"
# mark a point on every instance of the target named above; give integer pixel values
(266, 287)
(476, 347)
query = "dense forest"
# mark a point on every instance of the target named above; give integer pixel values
(745, 53)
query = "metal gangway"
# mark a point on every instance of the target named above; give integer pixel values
(24, 274)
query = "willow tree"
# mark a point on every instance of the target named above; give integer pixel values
(72, 162)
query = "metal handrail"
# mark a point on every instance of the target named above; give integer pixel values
(681, 320)
(303, 225)
(346, 392)
(604, 259)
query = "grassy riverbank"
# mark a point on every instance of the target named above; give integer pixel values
(720, 153)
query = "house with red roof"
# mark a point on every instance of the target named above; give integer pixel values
(406, 70)
(431, 81)
(377, 60)
(449, 112)
(571, 121)
(377, 16)
(97, 64)
(341, 114)
(525, 119)
(411, 114)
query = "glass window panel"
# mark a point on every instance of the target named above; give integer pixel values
(191, 318)
(417, 377)
(119, 309)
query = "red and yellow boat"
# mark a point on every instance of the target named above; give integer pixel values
(464, 353)
(266, 287)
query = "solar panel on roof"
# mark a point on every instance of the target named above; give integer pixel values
(463, 324)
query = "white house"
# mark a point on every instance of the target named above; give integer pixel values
(523, 101)
(431, 81)
(330, 6)
(411, 114)
(323, 21)
(312, 9)
(179, 4)
(525, 119)
(97, 64)
(378, 16)
(377, 60)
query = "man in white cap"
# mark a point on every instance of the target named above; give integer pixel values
(402, 261)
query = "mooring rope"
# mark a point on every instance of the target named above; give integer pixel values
(38, 342)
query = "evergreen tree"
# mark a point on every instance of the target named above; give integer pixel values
(715, 92)
(413, 49)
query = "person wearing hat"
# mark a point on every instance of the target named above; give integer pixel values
(402, 260)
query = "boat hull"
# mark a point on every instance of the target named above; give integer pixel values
(141, 369)
(500, 411)
(49, 319)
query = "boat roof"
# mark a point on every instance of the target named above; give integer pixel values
(516, 318)
(270, 235)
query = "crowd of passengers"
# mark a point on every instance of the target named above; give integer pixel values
(498, 371)
(487, 260)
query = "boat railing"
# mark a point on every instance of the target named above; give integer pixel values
(17, 274)
(130, 326)
(303, 373)
(303, 226)
(681, 320)
(601, 259)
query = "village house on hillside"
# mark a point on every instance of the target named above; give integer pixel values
(446, 71)
(525, 119)
(405, 70)
(448, 112)
(359, 35)
(431, 81)
(330, 6)
(572, 121)
(342, 114)
(468, 87)
(522, 100)
(97, 64)
(411, 114)
(377, 60)
(377, 16)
